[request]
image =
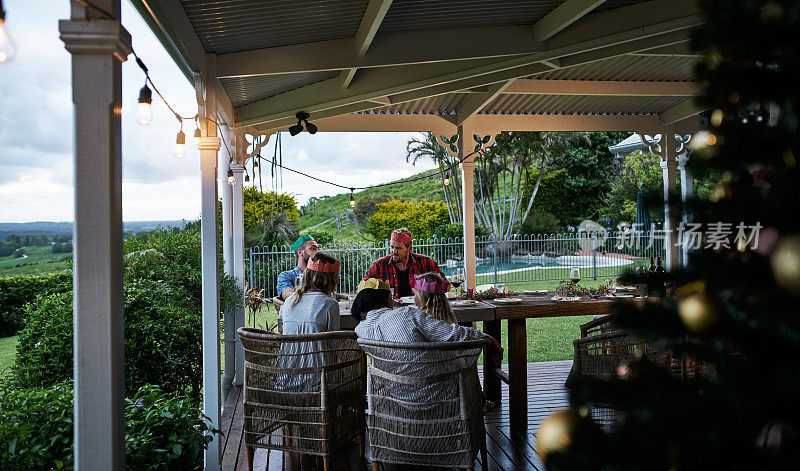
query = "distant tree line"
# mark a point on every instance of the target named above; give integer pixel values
(15, 244)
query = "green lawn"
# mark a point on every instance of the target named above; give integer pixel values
(8, 350)
(39, 260)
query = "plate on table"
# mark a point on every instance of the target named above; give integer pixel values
(466, 303)
(565, 299)
(507, 300)
(535, 292)
(407, 300)
(618, 296)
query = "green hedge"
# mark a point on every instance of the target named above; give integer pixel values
(162, 431)
(17, 291)
(163, 342)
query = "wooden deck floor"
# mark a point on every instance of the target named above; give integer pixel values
(508, 451)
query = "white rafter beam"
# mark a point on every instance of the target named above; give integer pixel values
(373, 17)
(562, 16)
(601, 36)
(368, 122)
(673, 50)
(601, 88)
(682, 110)
(475, 102)
(390, 49)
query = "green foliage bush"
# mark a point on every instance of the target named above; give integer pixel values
(162, 431)
(366, 207)
(321, 236)
(539, 222)
(16, 291)
(163, 341)
(420, 217)
(455, 230)
(550, 196)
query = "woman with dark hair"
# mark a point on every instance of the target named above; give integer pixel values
(371, 294)
(311, 308)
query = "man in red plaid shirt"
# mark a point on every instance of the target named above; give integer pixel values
(402, 265)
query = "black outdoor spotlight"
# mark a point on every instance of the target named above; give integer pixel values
(302, 117)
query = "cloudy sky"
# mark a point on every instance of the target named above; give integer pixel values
(36, 132)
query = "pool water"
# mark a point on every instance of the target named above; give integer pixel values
(486, 267)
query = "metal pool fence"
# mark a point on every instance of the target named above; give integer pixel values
(523, 258)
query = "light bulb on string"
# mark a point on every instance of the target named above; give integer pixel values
(197, 136)
(231, 178)
(446, 178)
(352, 198)
(144, 115)
(7, 48)
(246, 178)
(255, 164)
(180, 145)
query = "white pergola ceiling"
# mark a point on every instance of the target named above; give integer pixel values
(438, 62)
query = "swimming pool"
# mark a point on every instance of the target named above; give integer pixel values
(523, 263)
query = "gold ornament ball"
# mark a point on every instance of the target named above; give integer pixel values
(785, 260)
(555, 433)
(697, 312)
(559, 430)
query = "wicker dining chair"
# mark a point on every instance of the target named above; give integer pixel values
(603, 348)
(303, 393)
(425, 406)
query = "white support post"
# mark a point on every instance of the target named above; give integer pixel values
(227, 257)
(668, 168)
(687, 193)
(98, 48)
(468, 197)
(238, 256)
(209, 146)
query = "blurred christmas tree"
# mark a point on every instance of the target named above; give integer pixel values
(734, 320)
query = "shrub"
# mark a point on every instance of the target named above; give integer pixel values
(420, 217)
(162, 431)
(455, 230)
(16, 291)
(366, 207)
(163, 341)
(173, 257)
(540, 222)
(322, 236)
(36, 428)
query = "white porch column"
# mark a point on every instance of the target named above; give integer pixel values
(468, 197)
(238, 258)
(668, 168)
(98, 48)
(227, 258)
(687, 193)
(209, 146)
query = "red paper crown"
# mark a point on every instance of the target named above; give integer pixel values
(435, 287)
(320, 265)
(400, 237)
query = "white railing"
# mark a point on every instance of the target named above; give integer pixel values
(522, 258)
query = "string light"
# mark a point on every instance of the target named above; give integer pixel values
(7, 48)
(180, 145)
(246, 178)
(144, 115)
(197, 136)
(447, 179)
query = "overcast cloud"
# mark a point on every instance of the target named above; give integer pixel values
(36, 132)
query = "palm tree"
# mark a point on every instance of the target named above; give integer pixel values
(429, 148)
(274, 230)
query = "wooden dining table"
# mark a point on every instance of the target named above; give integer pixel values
(493, 313)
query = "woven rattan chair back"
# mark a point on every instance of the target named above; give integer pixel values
(302, 393)
(425, 403)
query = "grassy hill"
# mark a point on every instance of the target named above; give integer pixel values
(429, 189)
